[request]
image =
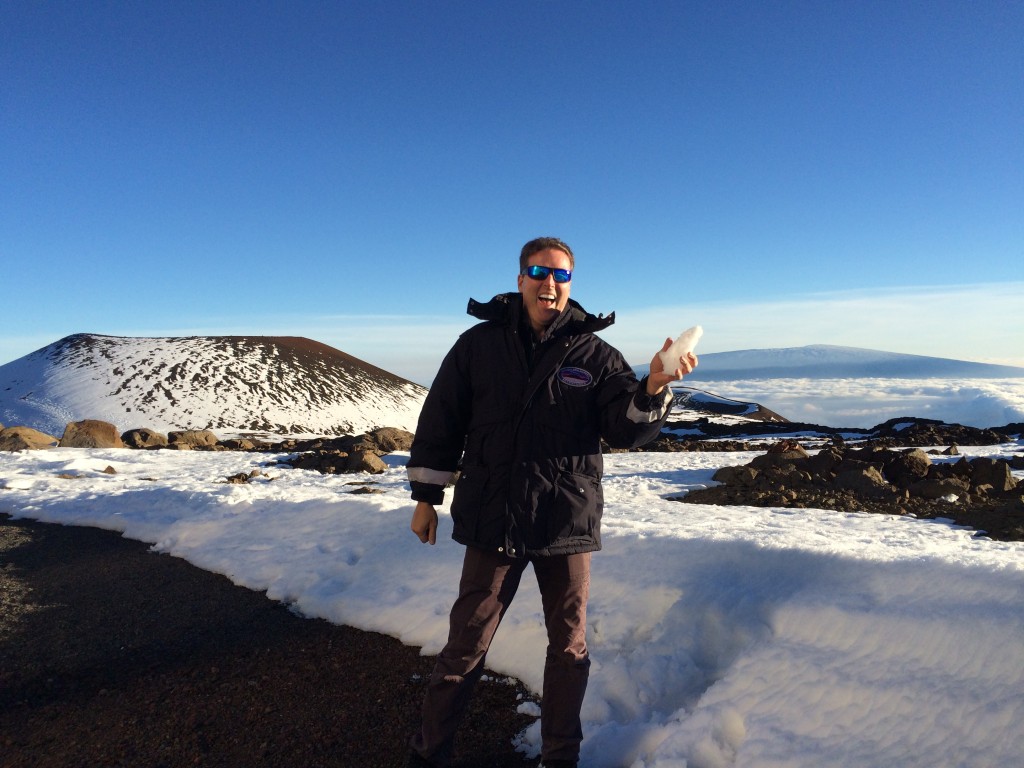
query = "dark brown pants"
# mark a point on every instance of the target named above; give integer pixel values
(489, 582)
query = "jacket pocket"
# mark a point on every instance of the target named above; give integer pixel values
(468, 499)
(576, 511)
(478, 509)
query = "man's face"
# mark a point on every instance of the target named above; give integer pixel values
(545, 299)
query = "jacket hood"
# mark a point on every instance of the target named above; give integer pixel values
(506, 308)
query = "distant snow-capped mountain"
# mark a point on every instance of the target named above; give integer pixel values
(234, 384)
(822, 361)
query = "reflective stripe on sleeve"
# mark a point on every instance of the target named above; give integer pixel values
(637, 416)
(431, 476)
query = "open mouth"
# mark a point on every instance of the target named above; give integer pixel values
(547, 299)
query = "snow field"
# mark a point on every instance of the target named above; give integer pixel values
(720, 636)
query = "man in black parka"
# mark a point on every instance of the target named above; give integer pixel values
(519, 407)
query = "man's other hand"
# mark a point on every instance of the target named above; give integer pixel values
(424, 522)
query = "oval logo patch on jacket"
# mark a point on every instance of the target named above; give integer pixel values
(575, 377)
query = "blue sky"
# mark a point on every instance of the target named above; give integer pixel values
(783, 173)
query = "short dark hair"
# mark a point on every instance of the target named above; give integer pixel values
(542, 244)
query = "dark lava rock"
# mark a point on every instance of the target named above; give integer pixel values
(980, 493)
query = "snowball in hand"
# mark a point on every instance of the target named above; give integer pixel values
(681, 347)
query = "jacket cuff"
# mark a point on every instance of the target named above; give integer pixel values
(646, 402)
(428, 492)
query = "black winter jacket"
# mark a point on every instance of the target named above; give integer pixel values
(529, 442)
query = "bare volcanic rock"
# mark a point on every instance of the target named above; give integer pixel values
(144, 437)
(921, 432)
(360, 453)
(389, 439)
(190, 439)
(91, 433)
(980, 493)
(25, 439)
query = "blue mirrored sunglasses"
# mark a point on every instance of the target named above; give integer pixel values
(541, 273)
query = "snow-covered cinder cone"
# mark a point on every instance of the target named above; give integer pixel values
(230, 384)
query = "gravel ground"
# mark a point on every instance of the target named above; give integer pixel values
(112, 655)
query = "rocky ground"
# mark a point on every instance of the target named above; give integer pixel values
(979, 493)
(112, 655)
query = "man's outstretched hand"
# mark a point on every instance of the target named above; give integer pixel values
(424, 522)
(659, 378)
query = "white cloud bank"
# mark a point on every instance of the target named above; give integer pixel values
(864, 403)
